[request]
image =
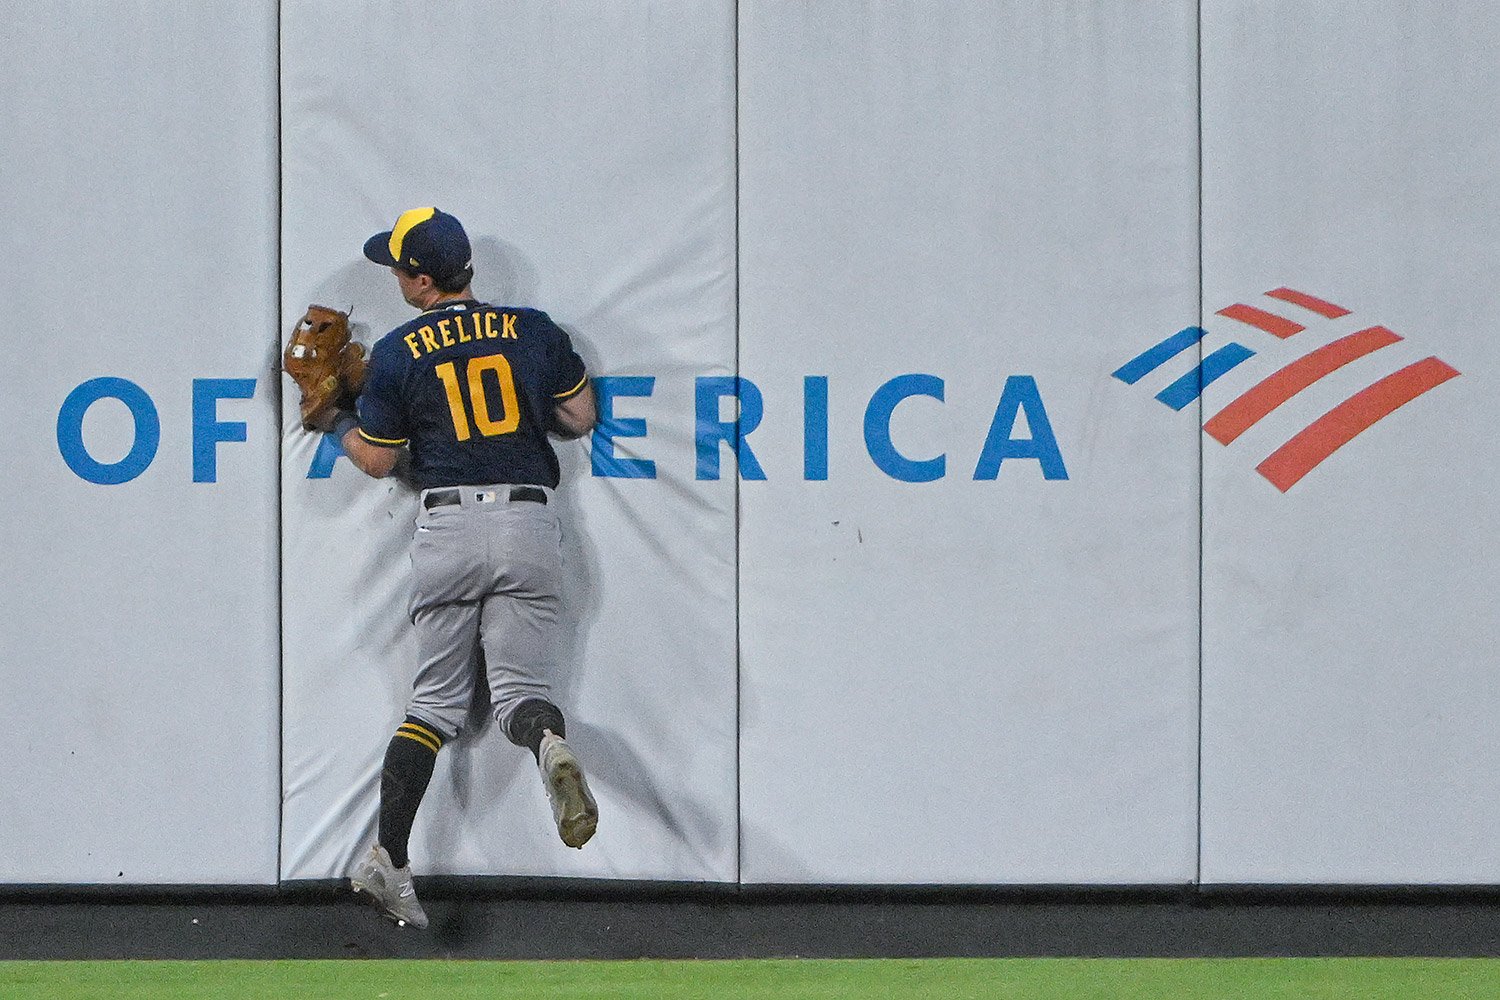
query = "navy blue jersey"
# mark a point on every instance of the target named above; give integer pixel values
(471, 387)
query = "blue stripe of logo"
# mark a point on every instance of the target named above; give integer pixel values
(1190, 386)
(1144, 364)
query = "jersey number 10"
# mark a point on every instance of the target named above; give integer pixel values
(476, 367)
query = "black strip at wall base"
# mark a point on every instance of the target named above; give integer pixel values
(709, 922)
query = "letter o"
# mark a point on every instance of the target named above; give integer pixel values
(70, 431)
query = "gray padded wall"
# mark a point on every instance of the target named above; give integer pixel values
(138, 650)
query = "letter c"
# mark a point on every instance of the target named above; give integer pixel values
(878, 429)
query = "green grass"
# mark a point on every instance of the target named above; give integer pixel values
(948, 979)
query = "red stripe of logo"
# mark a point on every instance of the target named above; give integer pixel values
(1340, 425)
(1276, 326)
(1242, 414)
(1309, 302)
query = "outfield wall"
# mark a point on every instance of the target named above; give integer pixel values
(953, 234)
(1042, 445)
(1348, 638)
(594, 167)
(138, 655)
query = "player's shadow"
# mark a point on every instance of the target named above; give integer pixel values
(612, 762)
(503, 275)
(368, 292)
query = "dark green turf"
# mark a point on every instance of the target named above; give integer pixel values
(950, 979)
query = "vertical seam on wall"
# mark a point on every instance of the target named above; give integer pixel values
(1198, 871)
(739, 838)
(280, 471)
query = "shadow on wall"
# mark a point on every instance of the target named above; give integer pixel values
(357, 286)
(505, 276)
(765, 850)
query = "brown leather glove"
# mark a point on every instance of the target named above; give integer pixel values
(327, 366)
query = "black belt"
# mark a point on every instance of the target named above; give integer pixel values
(445, 498)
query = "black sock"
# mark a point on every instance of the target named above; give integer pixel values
(403, 781)
(530, 721)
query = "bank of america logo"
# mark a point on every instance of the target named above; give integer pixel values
(1307, 448)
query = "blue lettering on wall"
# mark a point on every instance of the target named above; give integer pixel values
(610, 427)
(878, 429)
(1020, 394)
(208, 429)
(713, 432)
(815, 427)
(329, 451)
(70, 431)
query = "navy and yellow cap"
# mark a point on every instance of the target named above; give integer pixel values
(423, 240)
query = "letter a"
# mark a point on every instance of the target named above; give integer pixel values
(1020, 394)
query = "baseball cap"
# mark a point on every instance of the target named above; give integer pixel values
(424, 240)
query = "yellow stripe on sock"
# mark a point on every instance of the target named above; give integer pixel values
(431, 734)
(418, 738)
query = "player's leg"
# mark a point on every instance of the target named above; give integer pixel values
(448, 638)
(448, 581)
(445, 612)
(520, 627)
(520, 642)
(518, 631)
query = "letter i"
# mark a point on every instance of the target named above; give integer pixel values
(815, 427)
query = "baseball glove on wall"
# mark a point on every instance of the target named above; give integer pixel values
(325, 364)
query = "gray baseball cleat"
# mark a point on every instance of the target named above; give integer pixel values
(573, 807)
(389, 888)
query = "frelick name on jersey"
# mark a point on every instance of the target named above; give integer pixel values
(460, 328)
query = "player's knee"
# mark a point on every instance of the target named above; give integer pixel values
(532, 719)
(423, 733)
(446, 720)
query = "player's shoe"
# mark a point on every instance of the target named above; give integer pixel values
(389, 888)
(573, 807)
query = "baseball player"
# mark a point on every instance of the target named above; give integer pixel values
(473, 391)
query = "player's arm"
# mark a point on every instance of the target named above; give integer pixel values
(574, 410)
(376, 460)
(373, 437)
(576, 416)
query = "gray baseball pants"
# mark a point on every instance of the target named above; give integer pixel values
(486, 572)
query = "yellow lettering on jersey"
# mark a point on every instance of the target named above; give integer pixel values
(428, 340)
(411, 344)
(463, 335)
(445, 333)
(449, 377)
(489, 324)
(510, 327)
(510, 417)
